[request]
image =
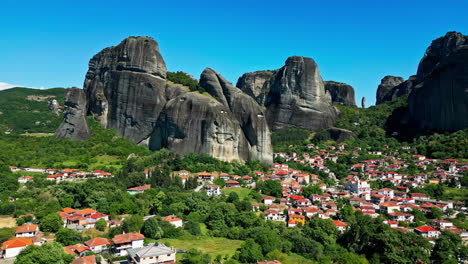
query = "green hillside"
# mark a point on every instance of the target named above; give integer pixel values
(22, 112)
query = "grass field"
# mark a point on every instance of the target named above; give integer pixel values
(7, 221)
(242, 192)
(456, 194)
(211, 245)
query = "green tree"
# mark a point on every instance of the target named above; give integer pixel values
(51, 223)
(45, 254)
(194, 256)
(68, 237)
(133, 223)
(270, 187)
(101, 224)
(151, 229)
(193, 228)
(449, 248)
(249, 252)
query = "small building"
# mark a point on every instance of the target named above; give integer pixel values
(427, 231)
(138, 189)
(267, 200)
(77, 250)
(173, 220)
(341, 226)
(97, 244)
(27, 230)
(25, 179)
(153, 253)
(232, 183)
(85, 260)
(13, 247)
(127, 241)
(213, 190)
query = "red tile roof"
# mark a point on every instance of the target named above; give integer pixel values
(85, 260)
(98, 241)
(126, 238)
(16, 243)
(26, 229)
(425, 229)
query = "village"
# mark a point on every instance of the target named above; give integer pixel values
(395, 204)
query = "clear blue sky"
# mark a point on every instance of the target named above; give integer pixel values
(49, 43)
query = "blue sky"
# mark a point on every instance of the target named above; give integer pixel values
(49, 43)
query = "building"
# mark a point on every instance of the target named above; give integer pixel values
(267, 200)
(427, 231)
(174, 220)
(213, 190)
(25, 179)
(13, 247)
(138, 189)
(127, 241)
(232, 183)
(85, 260)
(97, 244)
(341, 226)
(27, 231)
(153, 253)
(77, 250)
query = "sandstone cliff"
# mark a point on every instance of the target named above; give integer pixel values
(74, 125)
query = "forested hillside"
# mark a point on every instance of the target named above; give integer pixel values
(25, 110)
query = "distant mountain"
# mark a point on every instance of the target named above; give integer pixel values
(26, 110)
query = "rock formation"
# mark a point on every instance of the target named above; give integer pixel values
(74, 125)
(341, 93)
(440, 99)
(340, 134)
(363, 102)
(385, 90)
(256, 84)
(294, 95)
(126, 90)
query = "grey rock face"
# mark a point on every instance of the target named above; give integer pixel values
(440, 100)
(363, 102)
(74, 125)
(245, 110)
(125, 87)
(385, 91)
(340, 134)
(341, 93)
(297, 97)
(256, 85)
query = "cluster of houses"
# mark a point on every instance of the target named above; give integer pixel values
(61, 175)
(129, 244)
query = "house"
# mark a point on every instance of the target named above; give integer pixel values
(427, 231)
(401, 217)
(274, 215)
(232, 184)
(153, 253)
(25, 179)
(389, 207)
(267, 200)
(419, 196)
(269, 262)
(387, 192)
(85, 260)
(56, 177)
(174, 220)
(127, 241)
(27, 230)
(93, 218)
(97, 244)
(299, 219)
(224, 176)
(341, 226)
(138, 189)
(442, 224)
(205, 176)
(213, 190)
(13, 247)
(77, 250)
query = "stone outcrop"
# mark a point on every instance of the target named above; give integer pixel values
(297, 97)
(256, 84)
(340, 134)
(385, 91)
(74, 125)
(293, 95)
(439, 101)
(126, 90)
(341, 93)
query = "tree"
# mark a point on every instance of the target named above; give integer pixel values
(101, 224)
(270, 187)
(151, 229)
(133, 223)
(311, 189)
(68, 237)
(193, 228)
(232, 197)
(449, 248)
(249, 252)
(51, 223)
(194, 256)
(45, 254)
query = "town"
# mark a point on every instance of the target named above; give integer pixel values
(383, 188)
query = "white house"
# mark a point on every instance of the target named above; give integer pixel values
(153, 253)
(13, 247)
(173, 220)
(97, 244)
(27, 231)
(427, 231)
(213, 190)
(127, 241)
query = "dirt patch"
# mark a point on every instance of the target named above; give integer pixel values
(7, 221)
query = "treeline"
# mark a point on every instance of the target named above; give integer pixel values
(186, 80)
